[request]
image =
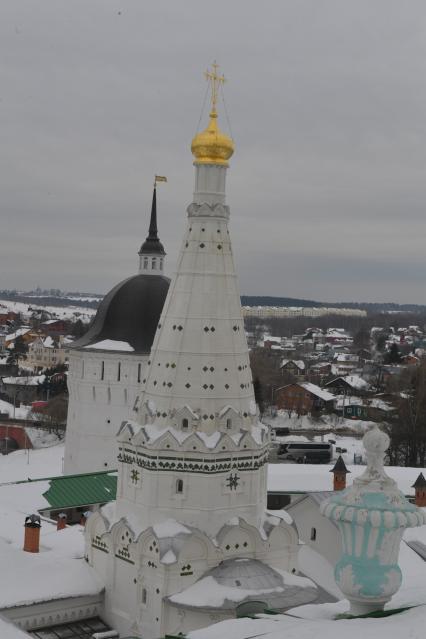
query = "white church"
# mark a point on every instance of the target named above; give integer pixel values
(188, 541)
(107, 364)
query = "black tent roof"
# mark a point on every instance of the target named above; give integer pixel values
(340, 466)
(420, 482)
(152, 244)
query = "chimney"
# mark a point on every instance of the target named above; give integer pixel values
(339, 474)
(61, 522)
(32, 533)
(420, 488)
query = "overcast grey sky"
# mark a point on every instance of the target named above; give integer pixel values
(327, 102)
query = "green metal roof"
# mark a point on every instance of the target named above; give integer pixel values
(72, 491)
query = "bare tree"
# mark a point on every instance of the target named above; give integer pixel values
(407, 428)
(54, 415)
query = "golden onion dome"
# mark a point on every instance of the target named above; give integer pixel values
(211, 146)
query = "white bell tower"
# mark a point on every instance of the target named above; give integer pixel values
(198, 452)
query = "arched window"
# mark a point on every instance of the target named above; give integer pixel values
(139, 373)
(119, 372)
(109, 395)
(154, 263)
(144, 595)
(145, 263)
(179, 486)
(313, 534)
(185, 424)
(102, 370)
(229, 424)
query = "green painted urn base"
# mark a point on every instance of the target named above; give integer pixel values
(367, 583)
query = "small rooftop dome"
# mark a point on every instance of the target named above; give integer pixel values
(240, 581)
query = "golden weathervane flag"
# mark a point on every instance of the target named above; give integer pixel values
(160, 178)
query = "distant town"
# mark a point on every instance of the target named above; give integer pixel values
(314, 367)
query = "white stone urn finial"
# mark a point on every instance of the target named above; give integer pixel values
(376, 443)
(371, 515)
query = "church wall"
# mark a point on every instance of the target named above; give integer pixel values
(205, 503)
(179, 620)
(315, 530)
(101, 395)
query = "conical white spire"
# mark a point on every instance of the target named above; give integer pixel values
(200, 445)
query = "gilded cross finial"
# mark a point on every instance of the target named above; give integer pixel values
(215, 81)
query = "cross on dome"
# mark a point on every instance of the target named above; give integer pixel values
(215, 81)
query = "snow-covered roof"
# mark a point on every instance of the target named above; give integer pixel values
(317, 391)
(9, 631)
(343, 368)
(346, 357)
(419, 547)
(61, 563)
(354, 381)
(310, 478)
(18, 333)
(235, 581)
(380, 404)
(319, 365)
(170, 528)
(318, 621)
(339, 333)
(50, 342)
(298, 362)
(111, 345)
(30, 380)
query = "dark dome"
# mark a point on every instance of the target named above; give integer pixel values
(129, 313)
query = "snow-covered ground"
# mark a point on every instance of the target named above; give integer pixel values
(61, 312)
(85, 298)
(31, 464)
(317, 477)
(325, 422)
(41, 438)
